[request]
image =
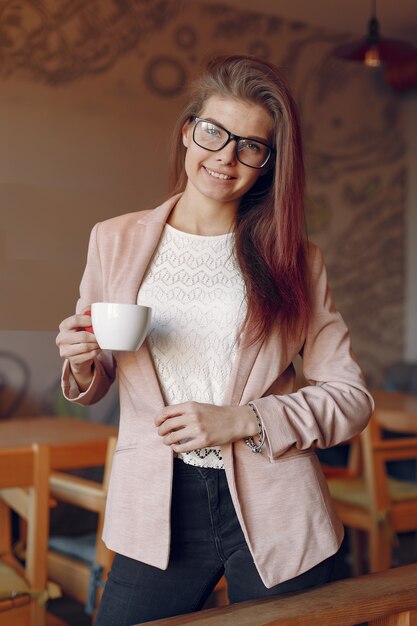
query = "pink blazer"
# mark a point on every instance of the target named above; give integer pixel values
(281, 497)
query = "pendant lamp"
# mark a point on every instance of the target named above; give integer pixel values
(375, 50)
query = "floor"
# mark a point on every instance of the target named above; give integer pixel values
(66, 612)
(53, 620)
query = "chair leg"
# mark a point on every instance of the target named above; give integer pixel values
(5, 529)
(380, 547)
(357, 541)
(38, 614)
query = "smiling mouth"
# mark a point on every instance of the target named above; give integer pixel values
(218, 175)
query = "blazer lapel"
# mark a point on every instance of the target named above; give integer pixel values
(138, 252)
(136, 258)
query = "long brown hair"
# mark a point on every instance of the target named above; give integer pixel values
(269, 228)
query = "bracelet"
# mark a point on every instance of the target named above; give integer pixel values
(249, 441)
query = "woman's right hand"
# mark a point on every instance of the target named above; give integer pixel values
(78, 346)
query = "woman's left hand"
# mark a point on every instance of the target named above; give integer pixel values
(193, 425)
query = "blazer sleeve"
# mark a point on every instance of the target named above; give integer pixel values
(336, 404)
(91, 290)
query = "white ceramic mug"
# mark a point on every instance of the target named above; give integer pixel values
(120, 326)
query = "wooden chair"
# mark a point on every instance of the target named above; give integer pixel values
(24, 488)
(79, 565)
(368, 499)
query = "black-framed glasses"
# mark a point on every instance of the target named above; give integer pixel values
(213, 137)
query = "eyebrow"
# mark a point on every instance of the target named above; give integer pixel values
(254, 137)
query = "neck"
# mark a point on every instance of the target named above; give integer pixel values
(202, 216)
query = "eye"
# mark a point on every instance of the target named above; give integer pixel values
(211, 129)
(251, 146)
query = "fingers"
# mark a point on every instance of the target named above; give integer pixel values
(193, 425)
(174, 426)
(181, 440)
(186, 444)
(75, 322)
(184, 427)
(172, 411)
(75, 342)
(175, 437)
(71, 342)
(171, 425)
(79, 353)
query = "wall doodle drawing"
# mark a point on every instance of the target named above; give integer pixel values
(142, 53)
(58, 42)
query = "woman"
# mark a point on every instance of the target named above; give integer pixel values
(215, 471)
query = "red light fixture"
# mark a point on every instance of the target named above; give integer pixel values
(375, 50)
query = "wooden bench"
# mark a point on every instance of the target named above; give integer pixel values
(383, 599)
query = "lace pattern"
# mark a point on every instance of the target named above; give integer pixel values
(197, 295)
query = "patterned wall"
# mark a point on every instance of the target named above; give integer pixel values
(352, 123)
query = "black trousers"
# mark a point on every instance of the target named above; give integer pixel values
(207, 542)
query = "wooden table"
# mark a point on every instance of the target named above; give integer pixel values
(388, 598)
(73, 442)
(402, 405)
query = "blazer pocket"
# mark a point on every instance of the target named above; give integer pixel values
(126, 448)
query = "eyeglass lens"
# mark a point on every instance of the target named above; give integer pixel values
(212, 137)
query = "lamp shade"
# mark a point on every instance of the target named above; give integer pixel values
(402, 76)
(389, 51)
(375, 50)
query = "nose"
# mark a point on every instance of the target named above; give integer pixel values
(227, 154)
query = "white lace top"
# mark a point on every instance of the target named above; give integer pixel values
(197, 295)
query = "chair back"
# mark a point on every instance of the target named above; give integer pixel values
(375, 501)
(378, 450)
(80, 577)
(24, 489)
